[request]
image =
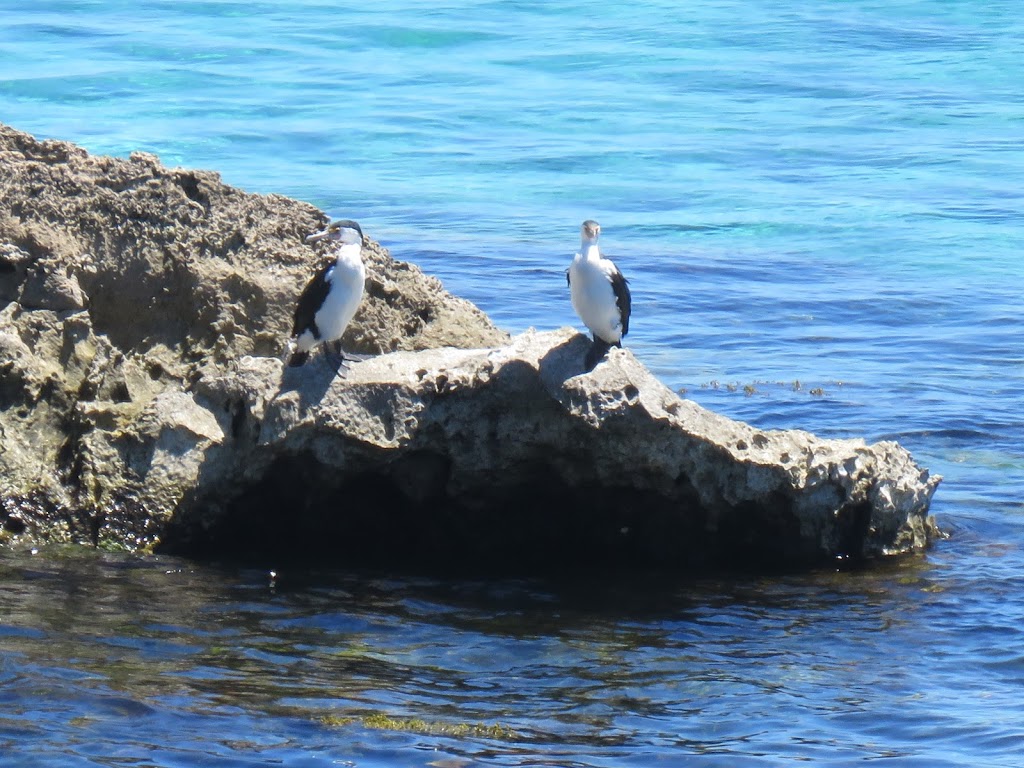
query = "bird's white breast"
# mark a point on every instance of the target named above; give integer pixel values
(592, 296)
(346, 278)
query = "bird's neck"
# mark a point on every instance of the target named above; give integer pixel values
(589, 250)
(348, 254)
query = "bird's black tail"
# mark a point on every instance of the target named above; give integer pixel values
(298, 358)
(597, 352)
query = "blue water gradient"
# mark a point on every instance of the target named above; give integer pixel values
(819, 207)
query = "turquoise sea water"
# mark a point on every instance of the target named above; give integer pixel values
(819, 206)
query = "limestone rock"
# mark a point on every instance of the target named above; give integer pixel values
(122, 280)
(143, 402)
(174, 258)
(515, 457)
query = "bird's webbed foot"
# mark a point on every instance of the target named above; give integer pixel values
(335, 355)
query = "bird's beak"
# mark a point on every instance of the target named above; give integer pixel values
(317, 236)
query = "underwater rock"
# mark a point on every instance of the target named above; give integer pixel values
(143, 403)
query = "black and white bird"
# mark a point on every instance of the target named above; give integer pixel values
(327, 304)
(600, 294)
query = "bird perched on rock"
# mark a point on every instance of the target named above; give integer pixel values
(600, 294)
(329, 301)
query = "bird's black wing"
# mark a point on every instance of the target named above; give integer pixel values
(310, 300)
(623, 299)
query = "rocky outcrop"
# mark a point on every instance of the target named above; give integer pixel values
(516, 456)
(143, 402)
(123, 280)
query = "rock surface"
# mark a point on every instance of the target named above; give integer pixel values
(143, 402)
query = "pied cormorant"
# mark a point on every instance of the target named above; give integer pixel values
(331, 298)
(600, 294)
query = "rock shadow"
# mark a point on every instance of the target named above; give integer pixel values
(312, 380)
(563, 361)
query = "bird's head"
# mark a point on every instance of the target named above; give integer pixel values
(342, 231)
(590, 231)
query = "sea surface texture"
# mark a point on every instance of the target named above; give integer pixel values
(819, 207)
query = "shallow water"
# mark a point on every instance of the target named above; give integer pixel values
(819, 208)
(115, 660)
